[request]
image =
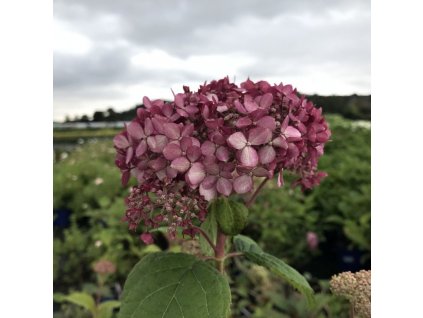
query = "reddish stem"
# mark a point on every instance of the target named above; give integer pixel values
(207, 237)
(220, 251)
(234, 254)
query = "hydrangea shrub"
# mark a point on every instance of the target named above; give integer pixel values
(192, 155)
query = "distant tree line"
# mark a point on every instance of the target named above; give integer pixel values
(352, 107)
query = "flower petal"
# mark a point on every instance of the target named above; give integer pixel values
(222, 108)
(208, 194)
(280, 178)
(211, 167)
(182, 112)
(266, 100)
(293, 151)
(157, 164)
(218, 138)
(171, 173)
(266, 154)
(209, 182)
(212, 97)
(292, 133)
(158, 124)
(261, 172)
(179, 100)
(172, 151)
(248, 84)
(157, 143)
(125, 177)
(240, 108)
(280, 142)
(146, 101)
(205, 112)
(250, 104)
(196, 174)
(172, 130)
(191, 109)
(249, 157)
(264, 86)
(195, 141)
(322, 136)
(180, 164)
(243, 184)
(187, 130)
(148, 127)
(167, 110)
(208, 148)
(135, 130)
(301, 127)
(259, 136)
(186, 142)
(193, 153)
(121, 142)
(147, 238)
(267, 122)
(285, 123)
(237, 140)
(222, 153)
(287, 89)
(224, 186)
(243, 122)
(161, 174)
(129, 154)
(141, 149)
(227, 167)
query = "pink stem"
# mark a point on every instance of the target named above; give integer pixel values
(205, 235)
(220, 251)
(234, 254)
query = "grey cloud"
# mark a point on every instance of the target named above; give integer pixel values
(285, 38)
(106, 67)
(173, 24)
(101, 68)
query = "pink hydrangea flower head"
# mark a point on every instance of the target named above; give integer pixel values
(215, 142)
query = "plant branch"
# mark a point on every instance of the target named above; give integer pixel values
(253, 197)
(207, 237)
(234, 254)
(220, 251)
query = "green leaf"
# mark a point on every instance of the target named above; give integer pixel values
(151, 248)
(356, 234)
(104, 202)
(82, 299)
(105, 309)
(174, 285)
(210, 227)
(230, 215)
(59, 297)
(255, 254)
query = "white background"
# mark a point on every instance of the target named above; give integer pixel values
(27, 158)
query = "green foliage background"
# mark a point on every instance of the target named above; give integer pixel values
(87, 184)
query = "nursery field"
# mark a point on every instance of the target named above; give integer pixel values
(94, 251)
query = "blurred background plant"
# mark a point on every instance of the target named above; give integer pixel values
(321, 232)
(99, 305)
(356, 287)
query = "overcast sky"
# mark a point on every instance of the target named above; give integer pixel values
(112, 53)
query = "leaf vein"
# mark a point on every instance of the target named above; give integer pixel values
(149, 295)
(174, 292)
(204, 291)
